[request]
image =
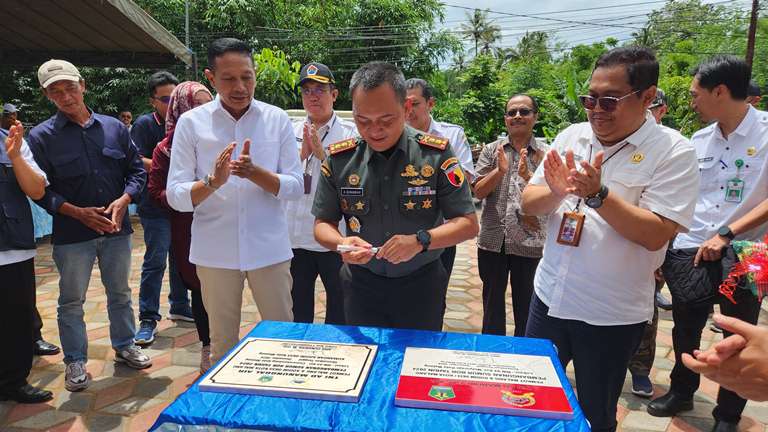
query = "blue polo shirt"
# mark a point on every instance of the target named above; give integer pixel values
(147, 131)
(87, 166)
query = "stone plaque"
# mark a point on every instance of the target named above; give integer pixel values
(293, 368)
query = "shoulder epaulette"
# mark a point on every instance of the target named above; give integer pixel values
(434, 141)
(342, 146)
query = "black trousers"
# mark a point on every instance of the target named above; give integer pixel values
(686, 337)
(17, 310)
(306, 265)
(448, 257)
(496, 270)
(415, 301)
(37, 325)
(600, 357)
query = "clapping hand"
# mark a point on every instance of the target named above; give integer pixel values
(312, 140)
(13, 142)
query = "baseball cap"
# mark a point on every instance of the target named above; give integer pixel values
(57, 70)
(659, 100)
(316, 72)
(9, 108)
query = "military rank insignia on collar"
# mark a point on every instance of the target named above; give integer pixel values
(433, 141)
(342, 146)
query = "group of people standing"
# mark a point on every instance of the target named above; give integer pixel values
(375, 208)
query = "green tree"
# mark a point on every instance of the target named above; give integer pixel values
(481, 31)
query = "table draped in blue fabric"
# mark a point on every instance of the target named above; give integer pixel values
(375, 411)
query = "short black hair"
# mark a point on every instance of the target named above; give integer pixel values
(221, 46)
(426, 90)
(534, 103)
(374, 74)
(158, 79)
(754, 89)
(640, 63)
(728, 70)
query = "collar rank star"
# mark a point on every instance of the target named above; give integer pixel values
(433, 141)
(342, 146)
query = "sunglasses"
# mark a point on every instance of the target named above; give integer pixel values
(607, 103)
(524, 112)
(163, 99)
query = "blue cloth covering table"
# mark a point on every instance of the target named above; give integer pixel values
(375, 411)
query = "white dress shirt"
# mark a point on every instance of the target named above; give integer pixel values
(301, 222)
(19, 255)
(240, 226)
(607, 279)
(458, 142)
(717, 158)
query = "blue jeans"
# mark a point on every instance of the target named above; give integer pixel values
(600, 357)
(75, 264)
(157, 237)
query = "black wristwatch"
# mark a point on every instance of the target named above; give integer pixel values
(424, 238)
(725, 231)
(596, 200)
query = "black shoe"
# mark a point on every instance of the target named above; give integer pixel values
(662, 302)
(669, 405)
(724, 426)
(43, 348)
(26, 394)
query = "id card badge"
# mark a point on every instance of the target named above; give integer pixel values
(570, 229)
(307, 183)
(734, 190)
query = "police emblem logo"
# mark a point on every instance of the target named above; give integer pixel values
(518, 400)
(312, 70)
(427, 171)
(354, 224)
(353, 179)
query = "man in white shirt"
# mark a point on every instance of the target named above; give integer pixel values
(316, 133)
(19, 176)
(625, 187)
(422, 101)
(732, 154)
(239, 230)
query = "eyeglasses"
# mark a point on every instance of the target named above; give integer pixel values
(607, 103)
(317, 91)
(163, 99)
(524, 112)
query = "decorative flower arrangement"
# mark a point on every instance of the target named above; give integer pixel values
(751, 272)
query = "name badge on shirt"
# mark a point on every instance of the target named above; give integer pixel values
(706, 159)
(570, 228)
(351, 191)
(734, 190)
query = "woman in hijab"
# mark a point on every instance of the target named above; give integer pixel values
(185, 97)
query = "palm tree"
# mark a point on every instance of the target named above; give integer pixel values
(481, 31)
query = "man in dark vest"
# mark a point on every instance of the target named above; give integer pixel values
(19, 175)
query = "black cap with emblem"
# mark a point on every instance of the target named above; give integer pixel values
(316, 72)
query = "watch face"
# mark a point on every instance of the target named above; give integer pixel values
(594, 202)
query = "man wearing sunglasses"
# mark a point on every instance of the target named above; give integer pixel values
(509, 244)
(732, 153)
(616, 189)
(147, 131)
(315, 134)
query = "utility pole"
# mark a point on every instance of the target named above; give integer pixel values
(752, 32)
(189, 48)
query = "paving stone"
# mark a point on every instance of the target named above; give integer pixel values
(173, 372)
(45, 419)
(132, 405)
(642, 421)
(73, 402)
(105, 423)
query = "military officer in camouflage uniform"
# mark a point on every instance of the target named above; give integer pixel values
(394, 186)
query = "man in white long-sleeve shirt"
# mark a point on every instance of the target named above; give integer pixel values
(239, 230)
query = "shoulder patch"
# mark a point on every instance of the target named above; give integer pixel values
(433, 141)
(342, 146)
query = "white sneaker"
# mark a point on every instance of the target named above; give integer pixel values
(133, 357)
(76, 377)
(205, 359)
